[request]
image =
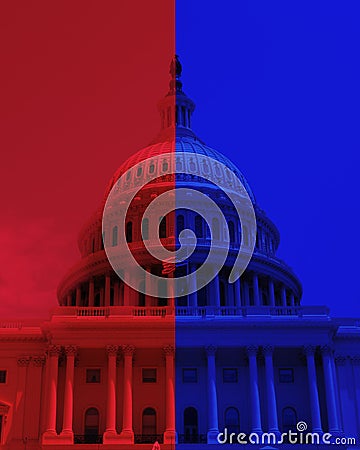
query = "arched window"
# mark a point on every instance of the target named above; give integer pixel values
(232, 232)
(115, 236)
(149, 425)
(162, 227)
(191, 425)
(232, 420)
(129, 232)
(199, 226)
(289, 419)
(180, 224)
(215, 229)
(91, 429)
(145, 229)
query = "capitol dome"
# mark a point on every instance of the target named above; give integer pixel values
(199, 156)
(177, 156)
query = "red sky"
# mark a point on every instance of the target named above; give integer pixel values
(78, 90)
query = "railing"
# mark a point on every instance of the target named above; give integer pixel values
(188, 311)
(93, 311)
(192, 439)
(88, 439)
(148, 438)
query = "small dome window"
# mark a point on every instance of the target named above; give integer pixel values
(128, 175)
(139, 172)
(165, 166)
(152, 168)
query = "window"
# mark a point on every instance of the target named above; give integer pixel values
(191, 425)
(149, 375)
(232, 420)
(93, 375)
(289, 419)
(91, 428)
(151, 168)
(222, 294)
(129, 236)
(232, 232)
(215, 229)
(162, 228)
(286, 375)
(139, 172)
(3, 376)
(145, 229)
(115, 236)
(230, 375)
(199, 228)
(149, 425)
(189, 375)
(180, 224)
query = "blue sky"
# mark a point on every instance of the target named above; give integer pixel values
(277, 90)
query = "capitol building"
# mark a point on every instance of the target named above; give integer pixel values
(115, 367)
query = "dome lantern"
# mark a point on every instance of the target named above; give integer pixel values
(176, 107)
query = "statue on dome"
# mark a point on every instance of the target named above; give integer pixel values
(175, 67)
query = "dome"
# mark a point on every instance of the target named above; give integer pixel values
(197, 153)
(178, 156)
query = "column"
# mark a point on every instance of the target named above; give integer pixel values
(78, 296)
(237, 292)
(272, 417)
(110, 435)
(34, 389)
(19, 406)
(67, 430)
(254, 390)
(330, 382)
(313, 389)
(283, 295)
(107, 290)
(127, 433)
(256, 290)
(271, 292)
(337, 395)
(170, 434)
(215, 291)
(148, 298)
(355, 363)
(192, 286)
(53, 361)
(213, 425)
(91, 292)
(68, 300)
